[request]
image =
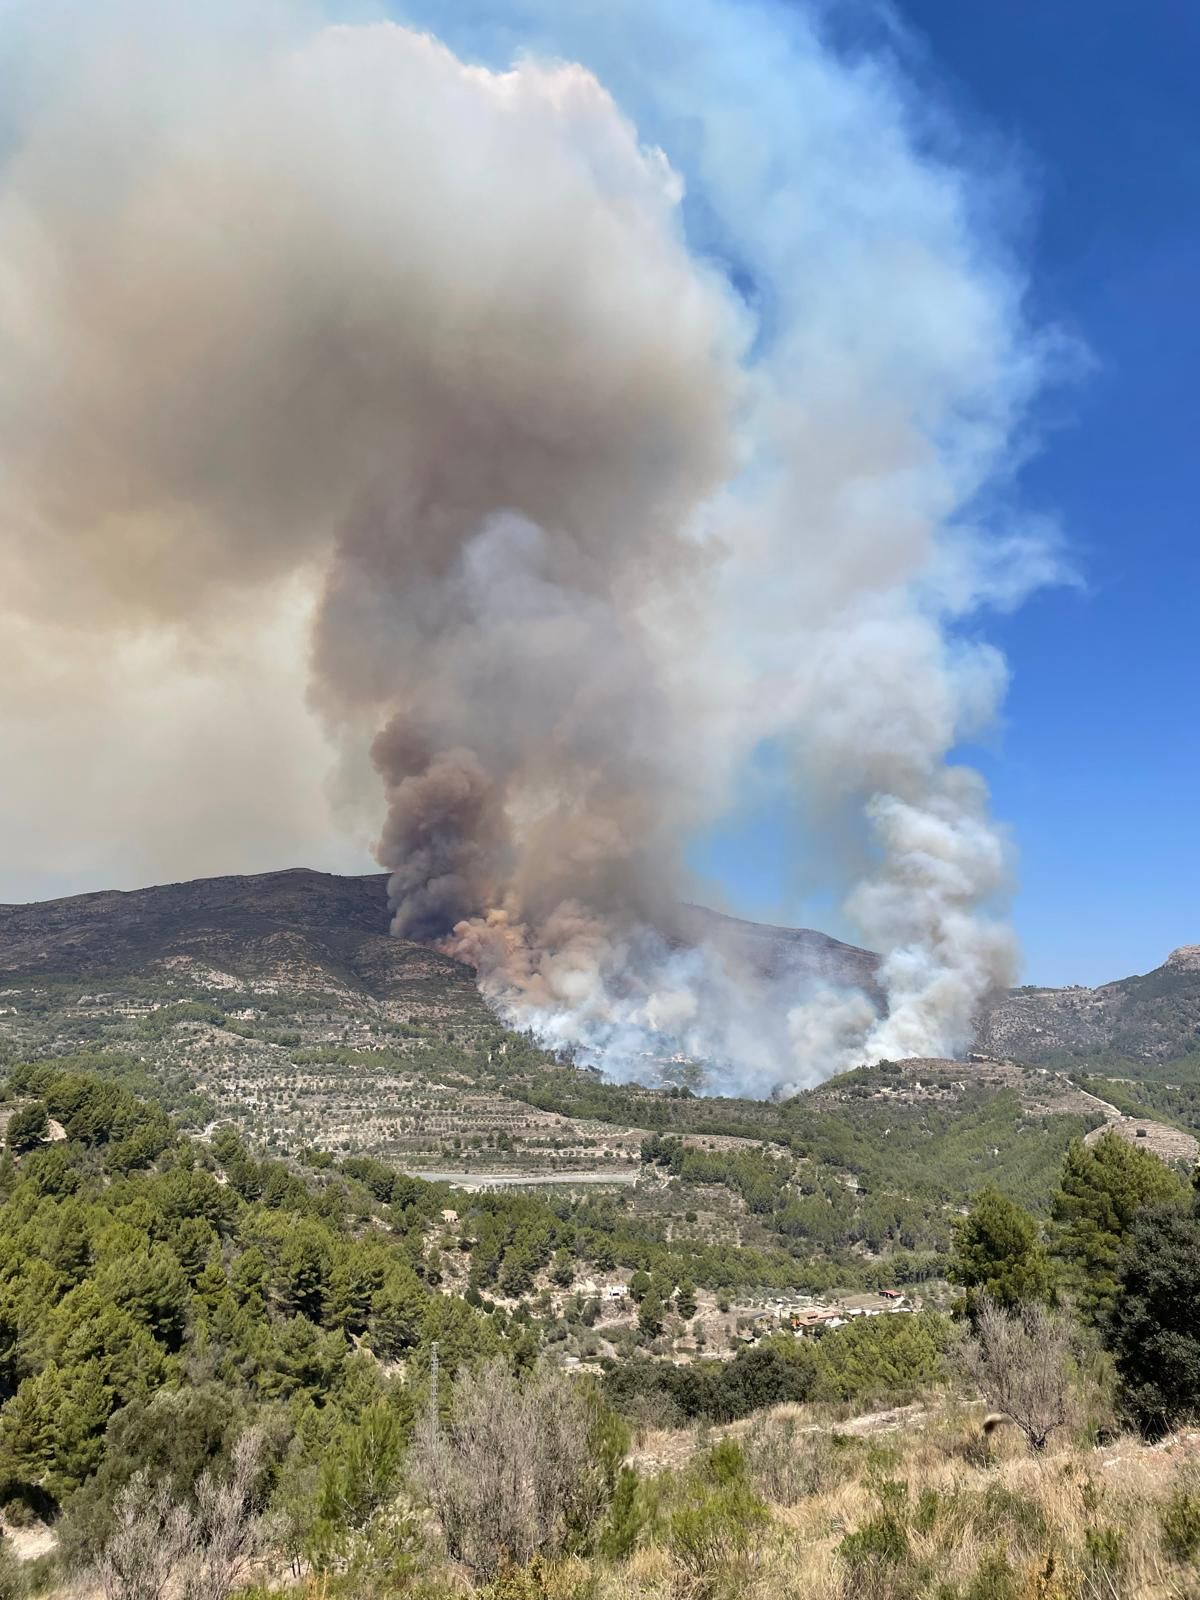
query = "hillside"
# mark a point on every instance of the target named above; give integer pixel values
(304, 930)
(367, 1188)
(249, 925)
(224, 1367)
(782, 953)
(309, 933)
(1152, 1018)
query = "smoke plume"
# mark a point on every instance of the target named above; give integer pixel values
(616, 418)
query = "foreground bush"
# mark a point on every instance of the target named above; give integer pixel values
(1022, 1361)
(522, 1468)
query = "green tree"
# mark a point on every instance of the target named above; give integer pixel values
(639, 1284)
(151, 1286)
(28, 1127)
(879, 1355)
(997, 1252)
(1154, 1326)
(1103, 1188)
(396, 1314)
(650, 1315)
(359, 1475)
(302, 1277)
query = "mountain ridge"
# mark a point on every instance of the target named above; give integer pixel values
(339, 922)
(98, 929)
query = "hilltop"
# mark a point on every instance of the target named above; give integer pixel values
(252, 924)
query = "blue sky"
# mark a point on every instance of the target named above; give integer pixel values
(1096, 765)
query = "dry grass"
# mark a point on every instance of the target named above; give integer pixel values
(935, 1513)
(955, 1518)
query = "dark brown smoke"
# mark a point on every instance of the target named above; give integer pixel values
(444, 837)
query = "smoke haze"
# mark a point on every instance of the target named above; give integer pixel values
(535, 433)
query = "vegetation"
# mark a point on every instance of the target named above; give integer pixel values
(1153, 1327)
(872, 1358)
(1103, 1189)
(522, 1467)
(1021, 1359)
(218, 1366)
(999, 1256)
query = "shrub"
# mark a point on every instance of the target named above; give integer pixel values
(627, 1517)
(1180, 1522)
(875, 1557)
(995, 1579)
(12, 1576)
(202, 1551)
(1022, 1363)
(713, 1527)
(1105, 1553)
(1003, 1514)
(521, 1469)
(788, 1464)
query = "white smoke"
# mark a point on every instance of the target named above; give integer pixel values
(609, 453)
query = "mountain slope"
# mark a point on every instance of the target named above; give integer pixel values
(1154, 1017)
(281, 1004)
(309, 931)
(344, 920)
(781, 953)
(303, 930)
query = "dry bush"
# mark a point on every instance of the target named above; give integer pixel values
(201, 1551)
(229, 1532)
(1059, 1524)
(1022, 1363)
(512, 1473)
(151, 1536)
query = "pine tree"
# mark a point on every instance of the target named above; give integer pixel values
(650, 1315)
(302, 1276)
(1104, 1186)
(1154, 1326)
(28, 1127)
(396, 1314)
(997, 1252)
(685, 1300)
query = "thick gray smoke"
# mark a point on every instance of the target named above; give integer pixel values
(585, 516)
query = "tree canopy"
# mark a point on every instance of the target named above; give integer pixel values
(1103, 1188)
(1154, 1325)
(998, 1253)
